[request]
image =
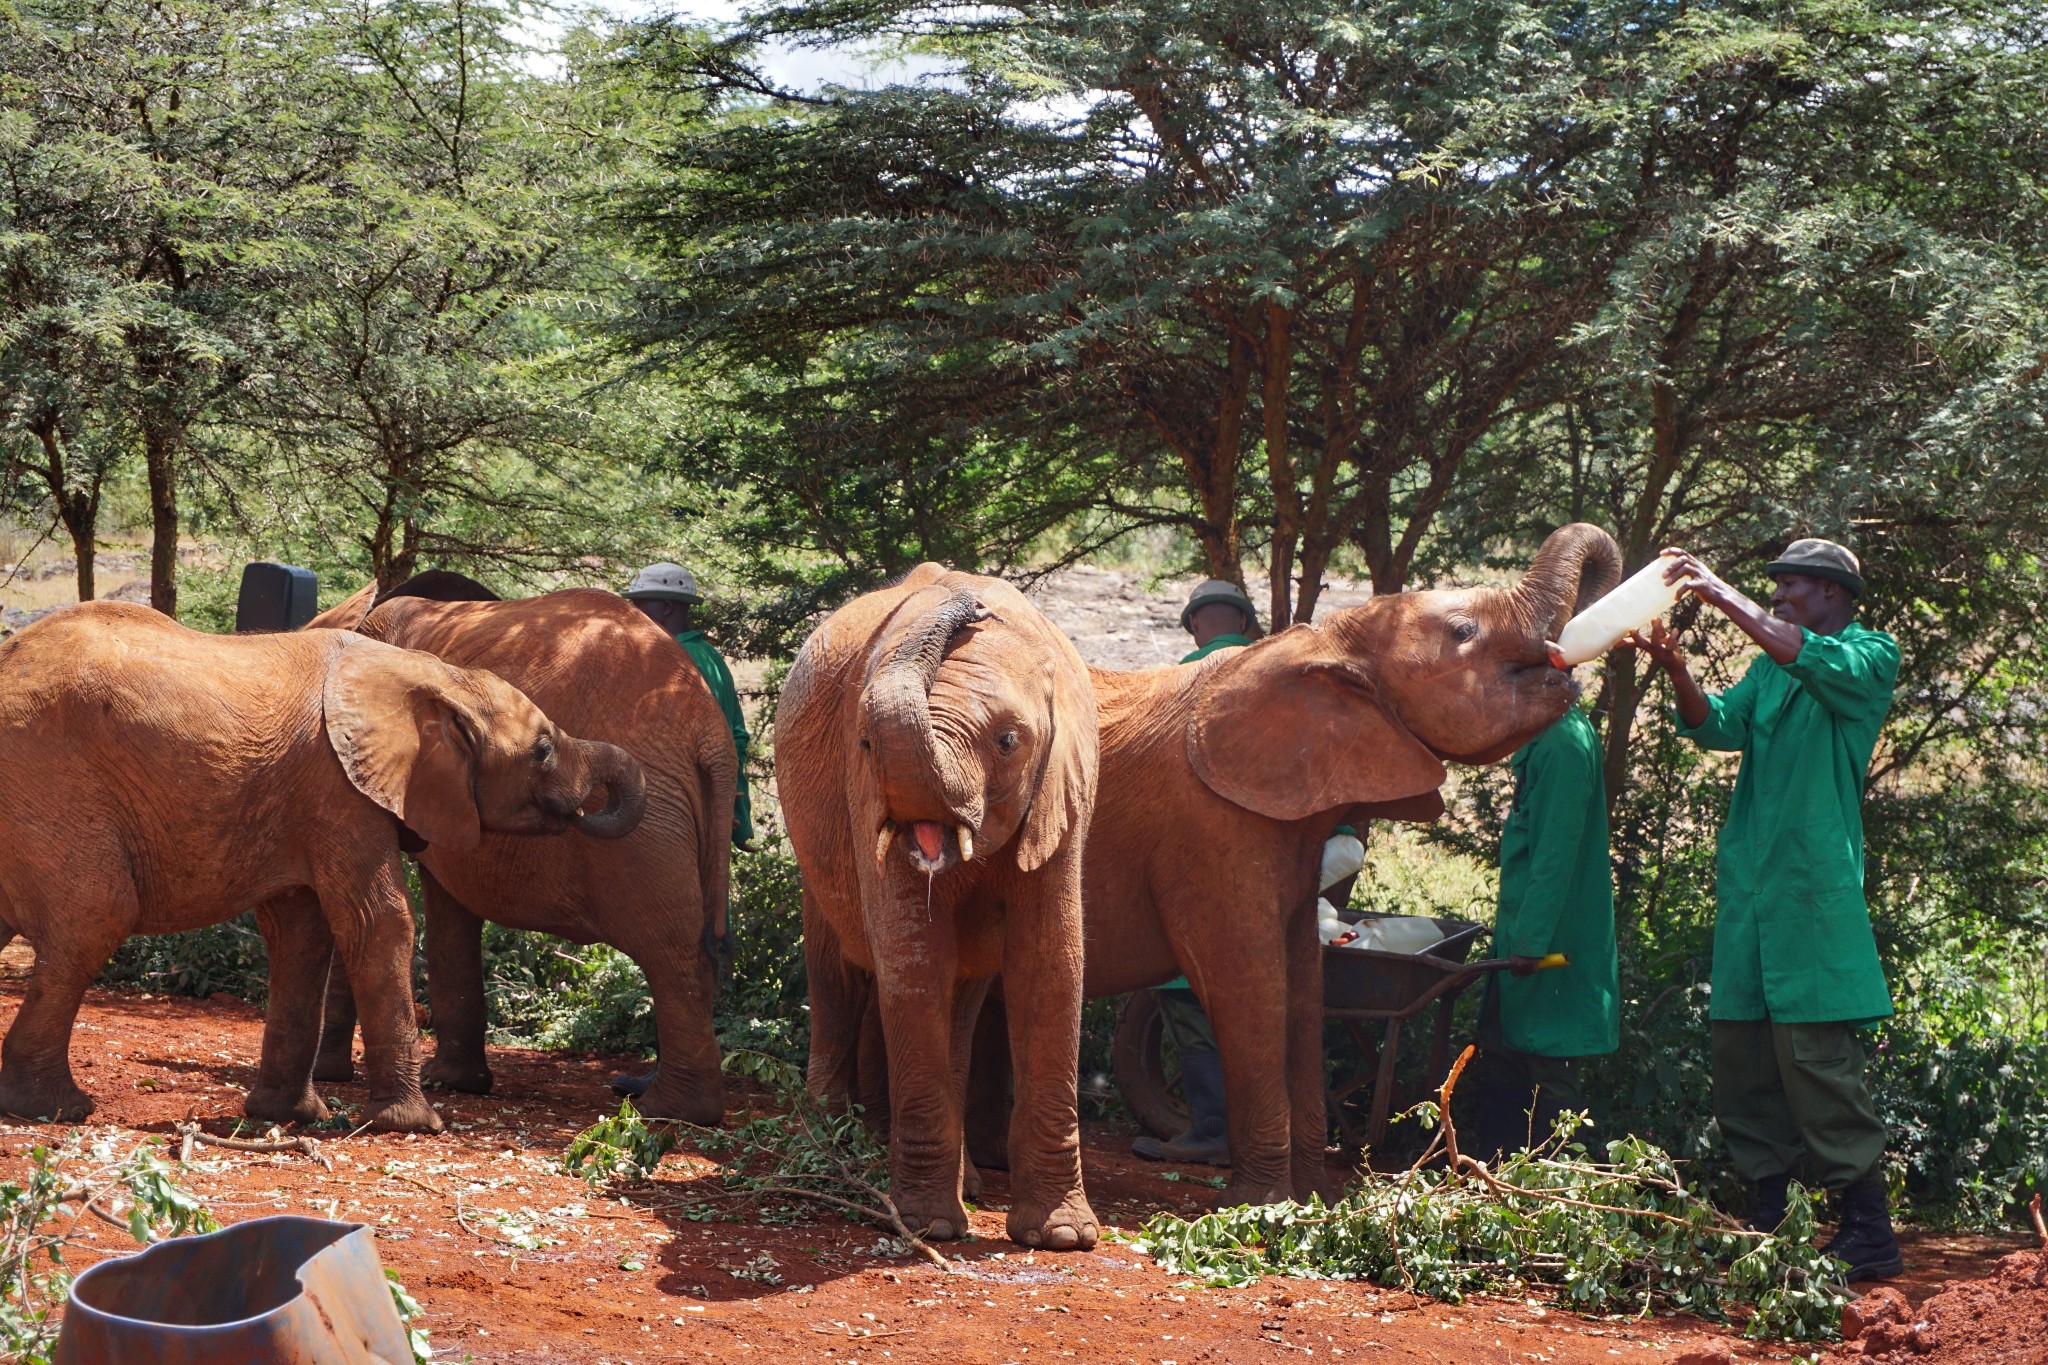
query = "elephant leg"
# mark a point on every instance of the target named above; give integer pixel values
(968, 997)
(455, 992)
(71, 947)
(1247, 1007)
(688, 1082)
(915, 981)
(336, 1060)
(871, 1073)
(299, 945)
(1309, 1122)
(988, 1088)
(1042, 965)
(371, 919)
(838, 1004)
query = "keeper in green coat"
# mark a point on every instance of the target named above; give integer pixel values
(1796, 971)
(668, 594)
(1556, 896)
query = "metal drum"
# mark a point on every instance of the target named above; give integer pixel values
(300, 1290)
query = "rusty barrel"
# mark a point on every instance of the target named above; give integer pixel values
(301, 1290)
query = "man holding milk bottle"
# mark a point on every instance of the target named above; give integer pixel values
(1796, 971)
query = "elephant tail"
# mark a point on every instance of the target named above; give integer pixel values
(718, 786)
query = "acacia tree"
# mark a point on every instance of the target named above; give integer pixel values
(421, 398)
(178, 137)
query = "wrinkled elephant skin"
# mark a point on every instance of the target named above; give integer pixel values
(179, 778)
(936, 760)
(656, 892)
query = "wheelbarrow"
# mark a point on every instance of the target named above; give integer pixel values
(1361, 986)
(304, 1290)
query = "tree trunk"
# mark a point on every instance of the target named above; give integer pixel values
(79, 511)
(159, 451)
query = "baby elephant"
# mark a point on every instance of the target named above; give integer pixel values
(159, 779)
(936, 758)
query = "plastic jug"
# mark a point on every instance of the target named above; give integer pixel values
(1343, 856)
(1328, 927)
(1398, 934)
(1641, 599)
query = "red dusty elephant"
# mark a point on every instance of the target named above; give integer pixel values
(1222, 779)
(658, 896)
(936, 759)
(159, 779)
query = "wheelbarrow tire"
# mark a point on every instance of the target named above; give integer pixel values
(1138, 1062)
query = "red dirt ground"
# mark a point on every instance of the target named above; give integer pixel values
(2000, 1319)
(620, 1281)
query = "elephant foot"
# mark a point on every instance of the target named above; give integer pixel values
(48, 1102)
(1068, 1226)
(404, 1116)
(970, 1182)
(939, 1219)
(338, 1068)
(281, 1104)
(672, 1096)
(451, 1073)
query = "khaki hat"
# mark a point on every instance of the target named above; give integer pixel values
(1220, 590)
(666, 582)
(1820, 559)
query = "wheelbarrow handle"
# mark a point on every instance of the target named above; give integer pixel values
(1543, 964)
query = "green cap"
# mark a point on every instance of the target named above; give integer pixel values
(1220, 590)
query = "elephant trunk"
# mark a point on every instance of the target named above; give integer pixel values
(625, 787)
(1577, 566)
(918, 780)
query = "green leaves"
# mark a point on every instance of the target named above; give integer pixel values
(624, 1148)
(1620, 1236)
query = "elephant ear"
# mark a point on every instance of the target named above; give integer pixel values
(1066, 787)
(349, 614)
(1291, 726)
(406, 738)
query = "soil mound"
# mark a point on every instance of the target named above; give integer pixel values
(2001, 1319)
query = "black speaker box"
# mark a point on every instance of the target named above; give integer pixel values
(276, 597)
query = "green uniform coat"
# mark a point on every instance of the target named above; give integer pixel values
(1792, 938)
(1557, 896)
(712, 666)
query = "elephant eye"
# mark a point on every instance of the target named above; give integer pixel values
(544, 749)
(1465, 632)
(1007, 741)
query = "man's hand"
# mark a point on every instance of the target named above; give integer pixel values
(1523, 966)
(1659, 642)
(1691, 576)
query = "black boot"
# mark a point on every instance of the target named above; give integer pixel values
(1865, 1240)
(1207, 1139)
(628, 1086)
(1767, 1201)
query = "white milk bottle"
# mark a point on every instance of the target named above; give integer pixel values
(1632, 606)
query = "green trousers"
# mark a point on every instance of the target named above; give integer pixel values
(1516, 1096)
(1783, 1091)
(1186, 1022)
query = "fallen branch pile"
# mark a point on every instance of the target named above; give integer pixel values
(1619, 1235)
